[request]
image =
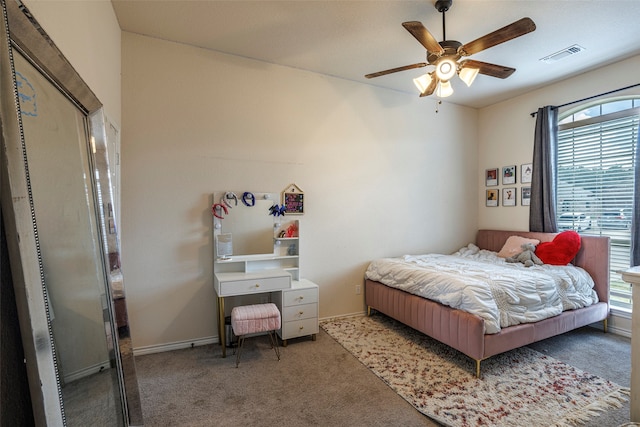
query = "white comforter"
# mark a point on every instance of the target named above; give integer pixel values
(480, 282)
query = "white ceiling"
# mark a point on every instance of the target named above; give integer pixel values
(348, 39)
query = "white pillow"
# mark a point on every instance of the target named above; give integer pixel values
(513, 246)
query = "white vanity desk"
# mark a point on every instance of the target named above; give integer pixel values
(271, 268)
(297, 300)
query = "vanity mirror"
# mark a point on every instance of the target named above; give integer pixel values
(58, 214)
(251, 227)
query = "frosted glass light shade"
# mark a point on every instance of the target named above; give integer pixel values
(422, 82)
(468, 75)
(444, 90)
(446, 69)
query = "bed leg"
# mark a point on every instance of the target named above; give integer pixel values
(478, 368)
(369, 310)
(605, 324)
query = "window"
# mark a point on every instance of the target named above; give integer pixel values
(596, 147)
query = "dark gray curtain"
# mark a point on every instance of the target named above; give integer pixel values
(542, 211)
(635, 223)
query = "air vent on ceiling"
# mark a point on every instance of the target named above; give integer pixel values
(568, 51)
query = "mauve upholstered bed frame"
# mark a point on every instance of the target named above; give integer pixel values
(465, 331)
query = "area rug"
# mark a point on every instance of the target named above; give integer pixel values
(518, 388)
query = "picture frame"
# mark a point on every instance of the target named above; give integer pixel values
(293, 200)
(509, 196)
(525, 194)
(492, 197)
(526, 173)
(491, 177)
(509, 174)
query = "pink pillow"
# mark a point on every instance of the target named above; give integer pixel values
(561, 250)
(513, 246)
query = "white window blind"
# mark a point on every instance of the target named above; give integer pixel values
(595, 179)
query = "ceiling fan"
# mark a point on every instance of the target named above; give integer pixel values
(445, 56)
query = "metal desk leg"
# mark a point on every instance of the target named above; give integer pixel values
(221, 327)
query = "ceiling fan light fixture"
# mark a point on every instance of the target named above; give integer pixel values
(444, 90)
(446, 69)
(423, 82)
(468, 75)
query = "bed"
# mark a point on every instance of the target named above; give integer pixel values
(467, 332)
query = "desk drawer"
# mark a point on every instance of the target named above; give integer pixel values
(299, 328)
(299, 312)
(300, 296)
(253, 286)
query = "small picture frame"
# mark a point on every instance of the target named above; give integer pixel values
(509, 196)
(293, 200)
(526, 171)
(509, 175)
(491, 177)
(492, 197)
(526, 196)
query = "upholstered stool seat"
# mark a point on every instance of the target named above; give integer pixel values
(253, 319)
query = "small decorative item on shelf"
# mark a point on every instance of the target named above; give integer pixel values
(292, 230)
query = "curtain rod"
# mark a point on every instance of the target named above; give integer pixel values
(590, 97)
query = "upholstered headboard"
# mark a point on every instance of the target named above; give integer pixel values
(593, 255)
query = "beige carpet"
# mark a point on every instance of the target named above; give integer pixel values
(319, 383)
(519, 388)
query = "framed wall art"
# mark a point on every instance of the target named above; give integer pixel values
(509, 196)
(491, 177)
(526, 172)
(293, 200)
(509, 175)
(492, 197)
(526, 196)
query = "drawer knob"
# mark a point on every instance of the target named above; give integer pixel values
(300, 297)
(301, 312)
(301, 327)
(257, 285)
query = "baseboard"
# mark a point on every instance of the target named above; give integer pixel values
(179, 345)
(85, 372)
(342, 316)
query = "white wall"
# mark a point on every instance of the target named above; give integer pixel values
(383, 175)
(506, 131)
(505, 136)
(88, 34)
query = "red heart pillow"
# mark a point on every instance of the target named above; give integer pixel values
(561, 250)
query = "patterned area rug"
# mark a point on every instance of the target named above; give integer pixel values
(518, 388)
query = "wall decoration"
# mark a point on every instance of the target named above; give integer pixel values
(491, 177)
(492, 197)
(293, 200)
(526, 172)
(509, 174)
(526, 196)
(509, 196)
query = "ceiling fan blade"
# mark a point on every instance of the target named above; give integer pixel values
(395, 70)
(423, 35)
(504, 34)
(432, 86)
(488, 69)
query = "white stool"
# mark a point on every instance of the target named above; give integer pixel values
(251, 319)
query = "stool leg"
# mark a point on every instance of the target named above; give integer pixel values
(274, 342)
(240, 344)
